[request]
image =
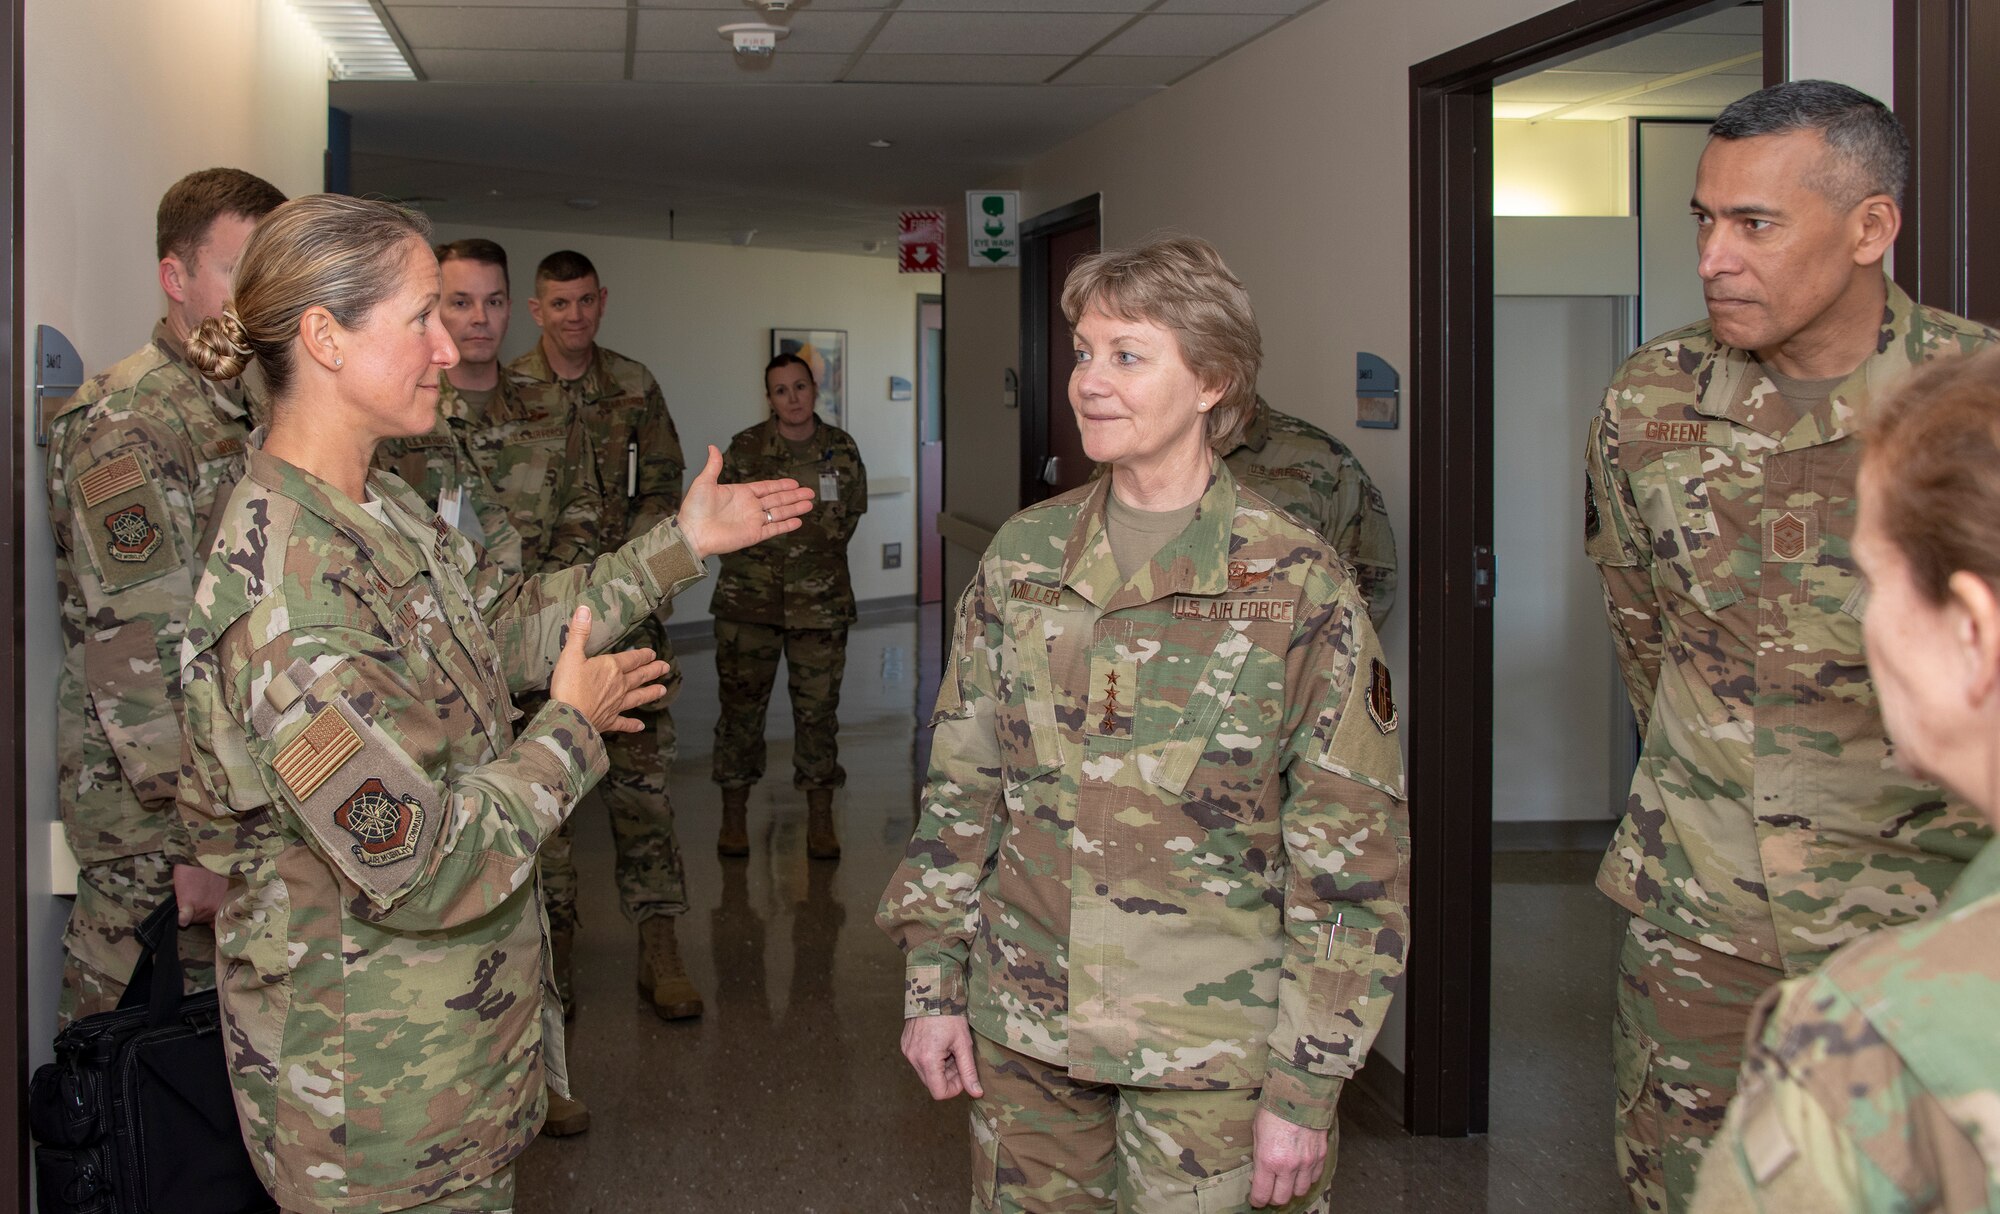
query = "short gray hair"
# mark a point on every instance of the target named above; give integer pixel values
(1868, 151)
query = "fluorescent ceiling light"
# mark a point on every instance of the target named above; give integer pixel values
(359, 42)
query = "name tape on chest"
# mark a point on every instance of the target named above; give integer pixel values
(1025, 591)
(222, 447)
(1671, 433)
(307, 760)
(1291, 472)
(1249, 607)
(536, 434)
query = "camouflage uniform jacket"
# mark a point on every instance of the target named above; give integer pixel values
(1873, 1084)
(357, 770)
(537, 458)
(442, 461)
(1766, 819)
(1163, 842)
(1316, 478)
(632, 435)
(800, 579)
(137, 462)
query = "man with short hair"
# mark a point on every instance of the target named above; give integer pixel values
(138, 461)
(1317, 479)
(1766, 823)
(638, 456)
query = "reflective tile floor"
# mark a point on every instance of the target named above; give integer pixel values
(789, 1093)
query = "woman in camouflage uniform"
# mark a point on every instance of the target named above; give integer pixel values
(1155, 906)
(356, 768)
(1873, 1083)
(793, 598)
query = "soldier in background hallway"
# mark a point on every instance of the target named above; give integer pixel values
(1766, 824)
(791, 597)
(138, 462)
(1317, 479)
(1870, 1084)
(514, 444)
(638, 456)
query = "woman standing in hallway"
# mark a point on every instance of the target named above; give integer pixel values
(792, 597)
(1155, 905)
(355, 767)
(1872, 1084)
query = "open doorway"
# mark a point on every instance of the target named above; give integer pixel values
(1052, 458)
(1517, 323)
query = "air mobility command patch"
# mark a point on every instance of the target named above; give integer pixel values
(1359, 725)
(126, 527)
(1381, 697)
(362, 800)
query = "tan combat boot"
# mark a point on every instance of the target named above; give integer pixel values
(821, 842)
(567, 1115)
(562, 944)
(734, 838)
(662, 981)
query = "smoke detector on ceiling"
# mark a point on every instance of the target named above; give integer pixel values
(771, 6)
(755, 38)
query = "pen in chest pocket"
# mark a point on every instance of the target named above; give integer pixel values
(632, 468)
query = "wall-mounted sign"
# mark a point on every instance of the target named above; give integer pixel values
(1377, 393)
(58, 374)
(920, 242)
(993, 227)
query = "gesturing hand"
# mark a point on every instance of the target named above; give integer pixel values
(718, 518)
(608, 686)
(940, 1051)
(1288, 1159)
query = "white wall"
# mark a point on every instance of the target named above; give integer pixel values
(700, 316)
(1852, 41)
(121, 100)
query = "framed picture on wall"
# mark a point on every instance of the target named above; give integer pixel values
(825, 351)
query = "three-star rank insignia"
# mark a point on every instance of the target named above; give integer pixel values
(134, 537)
(1381, 697)
(386, 827)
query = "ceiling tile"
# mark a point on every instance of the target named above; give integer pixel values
(742, 6)
(1131, 69)
(1024, 6)
(396, 7)
(1563, 87)
(526, 29)
(1667, 53)
(812, 33)
(719, 66)
(522, 66)
(1282, 8)
(1206, 35)
(956, 69)
(909, 33)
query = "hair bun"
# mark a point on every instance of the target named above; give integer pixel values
(219, 347)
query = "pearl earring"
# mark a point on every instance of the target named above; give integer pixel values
(338, 362)
(1201, 406)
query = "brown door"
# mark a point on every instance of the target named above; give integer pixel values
(1052, 458)
(930, 447)
(1948, 98)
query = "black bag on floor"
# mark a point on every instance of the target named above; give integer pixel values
(135, 1115)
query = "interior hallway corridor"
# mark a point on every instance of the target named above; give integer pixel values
(789, 1095)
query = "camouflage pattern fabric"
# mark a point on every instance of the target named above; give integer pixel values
(101, 945)
(1766, 818)
(637, 452)
(493, 1195)
(537, 457)
(355, 767)
(800, 579)
(1676, 1037)
(1314, 476)
(138, 462)
(1041, 1141)
(1164, 836)
(746, 665)
(441, 462)
(651, 876)
(1872, 1084)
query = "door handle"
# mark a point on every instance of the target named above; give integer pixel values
(1051, 470)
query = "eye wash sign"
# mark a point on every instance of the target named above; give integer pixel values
(993, 227)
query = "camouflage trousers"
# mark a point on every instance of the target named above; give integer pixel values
(1677, 1039)
(101, 943)
(1043, 1142)
(746, 666)
(651, 879)
(494, 1195)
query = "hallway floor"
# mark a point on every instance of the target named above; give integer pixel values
(789, 1094)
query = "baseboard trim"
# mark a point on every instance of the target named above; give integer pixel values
(1592, 836)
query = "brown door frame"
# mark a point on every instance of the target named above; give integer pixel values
(1949, 100)
(1451, 504)
(13, 654)
(1035, 271)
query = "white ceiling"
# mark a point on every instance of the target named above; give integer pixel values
(642, 108)
(1717, 38)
